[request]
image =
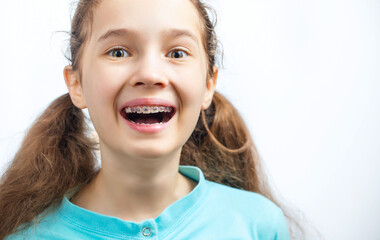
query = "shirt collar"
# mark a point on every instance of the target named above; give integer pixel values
(165, 223)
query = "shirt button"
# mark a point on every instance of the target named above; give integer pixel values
(146, 232)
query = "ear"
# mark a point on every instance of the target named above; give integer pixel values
(72, 80)
(210, 89)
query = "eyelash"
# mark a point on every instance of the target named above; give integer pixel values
(185, 53)
(114, 50)
(125, 54)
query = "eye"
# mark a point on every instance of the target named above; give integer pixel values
(118, 53)
(177, 54)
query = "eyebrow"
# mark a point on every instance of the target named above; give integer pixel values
(115, 32)
(176, 33)
(169, 33)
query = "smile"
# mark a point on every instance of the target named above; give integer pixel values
(148, 115)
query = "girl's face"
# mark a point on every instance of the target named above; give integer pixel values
(145, 56)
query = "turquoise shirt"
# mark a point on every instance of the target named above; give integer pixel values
(210, 211)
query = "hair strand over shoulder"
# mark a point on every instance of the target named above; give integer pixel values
(55, 156)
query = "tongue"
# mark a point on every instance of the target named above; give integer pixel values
(146, 120)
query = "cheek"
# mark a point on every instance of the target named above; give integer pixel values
(101, 83)
(192, 82)
(191, 92)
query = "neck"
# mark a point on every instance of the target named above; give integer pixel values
(135, 189)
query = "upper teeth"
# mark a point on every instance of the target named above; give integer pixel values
(148, 109)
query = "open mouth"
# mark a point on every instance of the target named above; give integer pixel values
(148, 115)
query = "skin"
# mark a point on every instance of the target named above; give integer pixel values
(162, 56)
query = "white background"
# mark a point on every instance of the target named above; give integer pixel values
(304, 74)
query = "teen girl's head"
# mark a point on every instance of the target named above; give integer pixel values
(141, 54)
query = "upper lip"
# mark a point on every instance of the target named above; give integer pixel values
(147, 102)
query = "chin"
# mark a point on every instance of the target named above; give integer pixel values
(154, 152)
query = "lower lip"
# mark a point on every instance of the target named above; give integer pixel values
(149, 128)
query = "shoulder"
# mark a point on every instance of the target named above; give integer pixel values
(237, 198)
(257, 213)
(48, 225)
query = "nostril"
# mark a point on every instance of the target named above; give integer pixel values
(159, 84)
(149, 81)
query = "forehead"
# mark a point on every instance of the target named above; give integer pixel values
(147, 17)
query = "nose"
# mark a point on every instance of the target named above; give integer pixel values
(150, 72)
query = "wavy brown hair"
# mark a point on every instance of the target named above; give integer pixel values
(57, 154)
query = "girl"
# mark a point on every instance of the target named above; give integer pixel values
(146, 72)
